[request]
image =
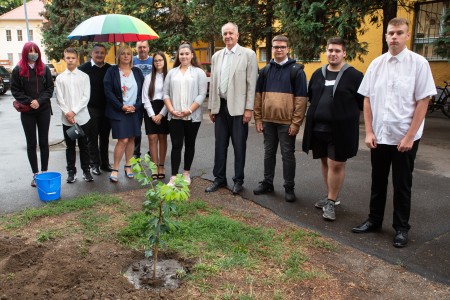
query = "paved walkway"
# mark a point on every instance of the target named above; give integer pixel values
(427, 253)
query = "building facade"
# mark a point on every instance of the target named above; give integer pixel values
(13, 32)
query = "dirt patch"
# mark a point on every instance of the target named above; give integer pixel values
(75, 267)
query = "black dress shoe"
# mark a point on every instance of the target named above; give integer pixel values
(106, 168)
(400, 239)
(367, 226)
(237, 187)
(215, 186)
(96, 171)
(263, 188)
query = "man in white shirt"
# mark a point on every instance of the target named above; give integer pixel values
(73, 91)
(397, 87)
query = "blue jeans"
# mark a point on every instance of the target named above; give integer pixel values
(273, 134)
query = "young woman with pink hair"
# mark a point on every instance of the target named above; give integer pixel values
(32, 85)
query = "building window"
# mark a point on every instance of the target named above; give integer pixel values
(19, 35)
(8, 35)
(30, 35)
(428, 27)
(262, 54)
(11, 59)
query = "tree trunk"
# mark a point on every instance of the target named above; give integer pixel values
(389, 12)
(269, 33)
(212, 47)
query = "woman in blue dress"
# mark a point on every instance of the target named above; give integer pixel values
(123, 90)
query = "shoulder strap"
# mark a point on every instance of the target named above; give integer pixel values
(294, 70)
(264, 71)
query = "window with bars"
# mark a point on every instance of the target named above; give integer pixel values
(11, 59)
(19, 35)
(428, 27)
(262, 54)
(8, 35)
(30, 34)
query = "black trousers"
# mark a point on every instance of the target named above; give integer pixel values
(182, 132)
(402, 163)
(98, 138)
(71, 154)
(227, 127)
(40, 120)
(138, 138)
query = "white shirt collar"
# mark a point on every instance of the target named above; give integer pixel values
(94, 64)
(283, 62)
(232, 49)
(75, 71)
(399, 56)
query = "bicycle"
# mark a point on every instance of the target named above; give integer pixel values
(442, 102)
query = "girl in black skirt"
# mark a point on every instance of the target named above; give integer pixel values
(156, 125)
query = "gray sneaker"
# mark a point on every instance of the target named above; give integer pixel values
(328, 211)
(322, 202)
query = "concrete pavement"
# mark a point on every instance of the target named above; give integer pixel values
(427, 252)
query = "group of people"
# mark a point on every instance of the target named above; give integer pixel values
(98, 97)
(394, 95)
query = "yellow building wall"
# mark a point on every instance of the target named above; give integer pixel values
(440, 69)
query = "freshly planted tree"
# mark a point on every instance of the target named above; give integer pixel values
(161, 200)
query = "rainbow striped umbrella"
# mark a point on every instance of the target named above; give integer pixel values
(113, 28)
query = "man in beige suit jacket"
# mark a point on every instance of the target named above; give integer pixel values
(234, 71)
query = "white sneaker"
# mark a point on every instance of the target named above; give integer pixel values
(187, 178)
(172, 181)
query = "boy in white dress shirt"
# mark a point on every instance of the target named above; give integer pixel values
(72, 94)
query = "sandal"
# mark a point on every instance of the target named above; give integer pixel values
(112, 178)
(161, 175)
(129, 175)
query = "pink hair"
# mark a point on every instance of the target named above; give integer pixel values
(23, 63)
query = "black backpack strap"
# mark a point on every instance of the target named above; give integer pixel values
(294, 70)
(264, 71)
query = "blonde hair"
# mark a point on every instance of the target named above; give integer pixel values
(398, 22)
(123, 49)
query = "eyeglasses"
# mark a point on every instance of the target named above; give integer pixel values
(279, 47)
(159, 60)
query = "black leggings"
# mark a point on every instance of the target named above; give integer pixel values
(182, 131)
(30, 121)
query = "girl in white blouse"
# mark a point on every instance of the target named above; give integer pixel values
(184, 92)
(156, 124)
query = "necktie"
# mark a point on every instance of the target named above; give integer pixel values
(226, 73)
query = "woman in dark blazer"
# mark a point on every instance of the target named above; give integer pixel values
(123, 91)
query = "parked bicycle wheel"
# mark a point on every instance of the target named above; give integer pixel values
(446, 106)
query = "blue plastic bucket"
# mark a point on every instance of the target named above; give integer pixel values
(49, 186)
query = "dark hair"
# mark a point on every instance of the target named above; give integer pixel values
(151, 90)
(23, 63)
(281, 38)
(142, 42)
(71, 50)
(98, 45)
(337, 41)
(194, 60)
